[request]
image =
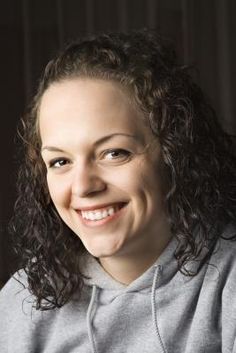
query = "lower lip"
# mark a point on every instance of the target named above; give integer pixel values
(103, 221)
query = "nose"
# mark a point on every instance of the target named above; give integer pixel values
(87, 181)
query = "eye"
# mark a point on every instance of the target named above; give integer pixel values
(58, 162)
(116, 154)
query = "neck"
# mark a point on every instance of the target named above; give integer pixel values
(125, 268)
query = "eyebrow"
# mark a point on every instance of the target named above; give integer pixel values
(98, 142)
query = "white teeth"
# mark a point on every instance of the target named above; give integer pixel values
(111, 211)
(104, 214)
(96, 215)
(91, 215)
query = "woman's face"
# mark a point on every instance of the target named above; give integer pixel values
(104, 167)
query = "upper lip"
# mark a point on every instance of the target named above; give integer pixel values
(96, 207)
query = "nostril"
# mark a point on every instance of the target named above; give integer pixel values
(86, 187)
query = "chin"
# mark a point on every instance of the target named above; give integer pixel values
(99, 254)
(102, 251)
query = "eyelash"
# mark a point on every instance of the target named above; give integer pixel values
(125, 155)
(53, 162)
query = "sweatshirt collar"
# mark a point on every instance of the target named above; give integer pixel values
(96, 275)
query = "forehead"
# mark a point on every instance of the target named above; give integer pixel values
(91, 107)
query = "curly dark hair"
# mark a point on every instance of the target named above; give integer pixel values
(197, 153)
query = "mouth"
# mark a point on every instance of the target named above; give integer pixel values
(101, 215)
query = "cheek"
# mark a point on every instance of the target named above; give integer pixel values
(138, 178)
(151, 186)
(126, 180)
(58, 191)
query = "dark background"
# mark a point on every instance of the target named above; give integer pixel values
(31, 31)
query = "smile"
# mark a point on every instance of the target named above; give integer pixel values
(96, 215)
(101, 214)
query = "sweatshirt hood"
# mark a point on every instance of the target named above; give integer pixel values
(95, 275)
(101, 282)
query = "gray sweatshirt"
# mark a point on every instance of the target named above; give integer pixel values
(161, 311)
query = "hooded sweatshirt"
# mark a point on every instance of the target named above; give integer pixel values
(162, 311)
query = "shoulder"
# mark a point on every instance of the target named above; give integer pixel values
(222, 269)
(15, 296)
(224, 253)
(17, 282)
(224, 259)
(15, 310)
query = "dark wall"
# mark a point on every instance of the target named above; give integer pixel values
(32, 31)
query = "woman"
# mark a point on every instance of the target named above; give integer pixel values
(126, 209)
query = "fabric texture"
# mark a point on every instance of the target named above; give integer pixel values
(162, 311)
